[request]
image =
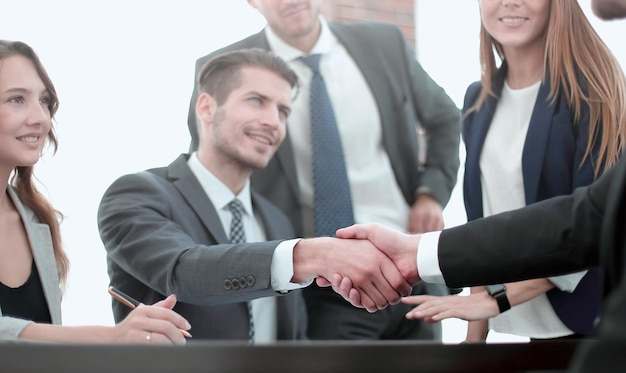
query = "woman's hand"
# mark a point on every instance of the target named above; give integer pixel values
(152, 324)
(476, 306)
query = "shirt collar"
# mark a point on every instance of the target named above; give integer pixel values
(287, 52)
(219, 194)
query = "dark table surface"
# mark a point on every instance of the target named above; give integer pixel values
(362, 357)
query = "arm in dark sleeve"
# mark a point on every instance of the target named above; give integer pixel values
(552, 237)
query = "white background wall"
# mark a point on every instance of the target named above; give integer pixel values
(124, 74)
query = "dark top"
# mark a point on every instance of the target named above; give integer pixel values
(26, 301)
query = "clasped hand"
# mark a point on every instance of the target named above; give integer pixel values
(379, 266)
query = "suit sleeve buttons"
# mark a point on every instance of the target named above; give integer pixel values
(239, 283)
(250, 281)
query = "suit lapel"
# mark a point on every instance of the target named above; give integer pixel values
(270, 228)
(40, 241)
(536, 143)
(534, 146)
(186, 182)
(474, 133)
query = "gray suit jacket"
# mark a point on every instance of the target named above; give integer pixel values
(163, 236)
(40, 242)
(406, 96)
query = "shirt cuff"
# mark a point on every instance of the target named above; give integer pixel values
(281, 269)
(428, 258)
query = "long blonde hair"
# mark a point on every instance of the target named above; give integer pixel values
(23, 178)
(581, 65)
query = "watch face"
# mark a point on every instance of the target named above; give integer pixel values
(495, 289)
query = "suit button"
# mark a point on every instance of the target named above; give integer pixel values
(250, 281)
(227, 285)
(243, 283)
(235, 283)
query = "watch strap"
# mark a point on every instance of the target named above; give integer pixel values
(499, 293)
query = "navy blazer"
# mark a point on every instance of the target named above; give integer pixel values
(551, 166)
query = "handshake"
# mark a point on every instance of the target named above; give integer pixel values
(370, 265)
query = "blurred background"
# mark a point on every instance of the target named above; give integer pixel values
(124, 72)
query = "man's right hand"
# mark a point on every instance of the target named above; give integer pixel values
(400, 247)
(373, 277)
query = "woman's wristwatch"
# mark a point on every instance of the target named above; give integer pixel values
(499, 293)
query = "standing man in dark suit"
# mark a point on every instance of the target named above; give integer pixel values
(379, 94)
(166, 230)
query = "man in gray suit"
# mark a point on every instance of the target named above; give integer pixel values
(380, 94)
(166, 230)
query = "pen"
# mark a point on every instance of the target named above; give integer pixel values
(133, 303)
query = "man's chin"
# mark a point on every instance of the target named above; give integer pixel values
(259, 165)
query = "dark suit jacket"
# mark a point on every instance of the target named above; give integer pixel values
(163, 235)
(555, 236)
(551, 166)
(405, 96)
(559, 235)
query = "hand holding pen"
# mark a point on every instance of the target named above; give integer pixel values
(158, 320)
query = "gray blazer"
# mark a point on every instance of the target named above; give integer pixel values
(406, 96)
(40, 241)
(163, 236)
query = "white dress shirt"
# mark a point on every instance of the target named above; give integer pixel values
(263, 309)
(376, 197)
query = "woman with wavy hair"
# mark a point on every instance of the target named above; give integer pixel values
(33, 264)
(547, 116)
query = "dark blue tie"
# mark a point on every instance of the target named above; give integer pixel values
(238, 235)
(332, 201)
